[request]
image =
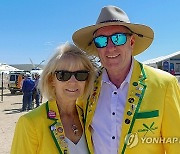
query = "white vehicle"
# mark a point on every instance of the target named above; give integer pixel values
(15, 81)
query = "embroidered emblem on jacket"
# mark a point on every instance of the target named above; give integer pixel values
(148, 128)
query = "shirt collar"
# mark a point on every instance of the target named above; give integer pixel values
(105, 77)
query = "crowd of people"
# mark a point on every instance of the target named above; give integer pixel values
(31, 92)
(102, 110)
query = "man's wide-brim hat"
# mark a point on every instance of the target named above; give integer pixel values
(111, 15)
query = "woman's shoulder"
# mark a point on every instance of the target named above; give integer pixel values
(36, 114)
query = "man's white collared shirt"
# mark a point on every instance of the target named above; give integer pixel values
(107, 120)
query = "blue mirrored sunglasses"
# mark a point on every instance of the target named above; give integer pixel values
(117, 39)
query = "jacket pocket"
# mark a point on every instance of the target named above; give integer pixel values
(149, 114)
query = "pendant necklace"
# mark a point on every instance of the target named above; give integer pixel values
(73, 126)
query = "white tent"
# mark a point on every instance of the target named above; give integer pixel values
(7, 68)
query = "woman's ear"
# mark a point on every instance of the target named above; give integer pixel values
(52, 81)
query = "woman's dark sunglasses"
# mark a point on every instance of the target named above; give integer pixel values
(117, 39)
(63, 75)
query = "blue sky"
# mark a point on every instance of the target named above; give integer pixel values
(32, 29)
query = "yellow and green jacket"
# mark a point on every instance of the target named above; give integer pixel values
(41, 132)
(151, 122)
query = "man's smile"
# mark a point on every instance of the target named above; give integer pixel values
(113, 56)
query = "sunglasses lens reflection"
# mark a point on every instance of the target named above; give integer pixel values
(117, 39)
(100, 41)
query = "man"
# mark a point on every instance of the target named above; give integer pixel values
(27, 89)
(134, 108)
(36, 91)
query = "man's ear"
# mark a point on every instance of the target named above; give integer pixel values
(132, 41)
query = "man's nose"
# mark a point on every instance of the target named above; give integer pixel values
(110, 44)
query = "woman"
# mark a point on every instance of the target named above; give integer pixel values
(57, 125)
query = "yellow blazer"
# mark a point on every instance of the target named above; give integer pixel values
(152, 111)
(40, 131)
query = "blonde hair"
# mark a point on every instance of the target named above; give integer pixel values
(75, 57)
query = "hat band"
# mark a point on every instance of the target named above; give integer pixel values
(112, 21)
(116, 20)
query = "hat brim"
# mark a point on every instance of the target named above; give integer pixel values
(84, 36)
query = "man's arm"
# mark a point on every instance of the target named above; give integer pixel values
(171, 118)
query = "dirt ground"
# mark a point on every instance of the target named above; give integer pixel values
(10, 111)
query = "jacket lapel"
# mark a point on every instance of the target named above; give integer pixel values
(56, 127)
(92, 102)
(79, 107)
(137, 88)
(89, 109)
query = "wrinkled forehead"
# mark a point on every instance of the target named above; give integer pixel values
(70, 63)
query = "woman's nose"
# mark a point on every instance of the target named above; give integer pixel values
(72, 79)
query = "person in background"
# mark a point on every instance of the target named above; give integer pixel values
(57, 125)
(132, 103)
(36, 91)
(27, 89)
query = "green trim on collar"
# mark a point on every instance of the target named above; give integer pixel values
(54, 138)
(143, 72)
(84, 121)
(47, 109)
(138, 106)
(85, 115)
(150, 114)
